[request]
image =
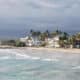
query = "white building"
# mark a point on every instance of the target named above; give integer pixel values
(27, 40)
(24, 39)
(31, 41)
(53, 42)
(36, 41)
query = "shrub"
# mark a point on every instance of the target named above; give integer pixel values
(43, 45)
(8, 42)
(20, 44)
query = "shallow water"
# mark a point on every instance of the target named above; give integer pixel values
(15, 66)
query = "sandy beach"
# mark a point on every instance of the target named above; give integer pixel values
(42, 49)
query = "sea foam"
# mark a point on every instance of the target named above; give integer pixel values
(13, 54)
(4, 57)
(25, 56)
(76, 67)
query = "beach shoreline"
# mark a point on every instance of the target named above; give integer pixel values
(65, 50)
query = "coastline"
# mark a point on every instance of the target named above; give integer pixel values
(63, 50)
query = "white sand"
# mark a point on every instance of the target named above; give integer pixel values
(63, 50)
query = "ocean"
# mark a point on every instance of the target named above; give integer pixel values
(17, 66)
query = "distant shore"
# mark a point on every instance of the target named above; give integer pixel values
(65, 50)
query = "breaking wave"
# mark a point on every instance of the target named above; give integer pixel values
(5, 57)
(76, 67)
(16, 55)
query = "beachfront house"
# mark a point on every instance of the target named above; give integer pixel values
(24, 39)
(56, 42)
(31, 41)
(36, 41)
(77, 43)
(53, 42)
(27, 40)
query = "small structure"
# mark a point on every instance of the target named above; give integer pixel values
(77, 43)
(53, 42)
(36, 41)
(24, 39)
(71, 46)
(27, 40)
(56, 42)
(31, 41)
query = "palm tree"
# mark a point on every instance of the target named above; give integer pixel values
(58, 32)
(53, 34)
(61, 43)
(34, 33)
(72, 39)
(47, 32)
(78, 36)
(41, 37)
(38, 33)
(31, 32)
(64, 36)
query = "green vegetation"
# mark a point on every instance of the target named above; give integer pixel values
(44, 44)
(15, 43)
(8, 42)
(65, 40)
(20, 44)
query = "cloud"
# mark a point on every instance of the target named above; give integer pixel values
(46, 4)
(39, 14)
(55, 11)
(53, 8)
(38, 8)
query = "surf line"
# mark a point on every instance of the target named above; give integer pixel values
(19, 55)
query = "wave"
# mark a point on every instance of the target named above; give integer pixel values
(16, 55)
(48, 59)
(36, 58)
(25, 56)
(5, 57)
(77, 67)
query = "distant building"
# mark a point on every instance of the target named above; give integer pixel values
(27, 40)
(24, 39)
(53, 42)
(36, 41)
(77, 43)
(31, 41)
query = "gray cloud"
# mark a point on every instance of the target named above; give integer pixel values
(39, 14)
(38, 8)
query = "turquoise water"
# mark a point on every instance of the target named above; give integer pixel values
(14, 68)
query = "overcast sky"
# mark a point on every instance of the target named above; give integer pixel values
(39, 14)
